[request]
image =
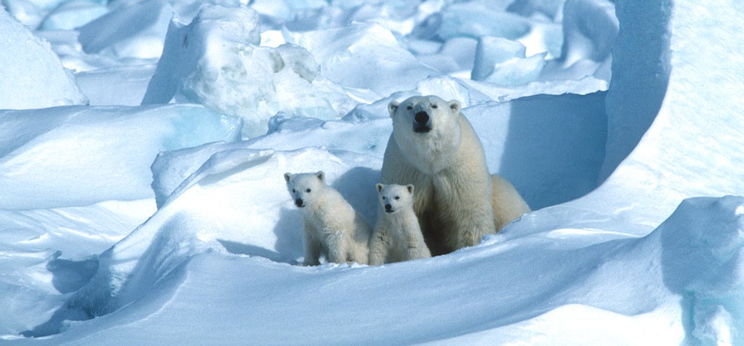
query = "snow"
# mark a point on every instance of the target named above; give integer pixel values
(32, 75)
(158, 213)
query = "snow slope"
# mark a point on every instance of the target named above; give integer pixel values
(173, 238)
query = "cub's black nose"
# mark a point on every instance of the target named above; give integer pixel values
(299, 203)
(421, 118)
(388, 208)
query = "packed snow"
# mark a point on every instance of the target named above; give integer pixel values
(143, 146)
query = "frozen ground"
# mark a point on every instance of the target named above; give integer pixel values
(147, 205)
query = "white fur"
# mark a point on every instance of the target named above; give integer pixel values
(332, 227)
(455, 200)
(397, 236)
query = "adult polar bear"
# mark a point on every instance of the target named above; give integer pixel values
(434, 147)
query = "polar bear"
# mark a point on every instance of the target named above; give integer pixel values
(332, 227)
(397, 236)
(434, 147)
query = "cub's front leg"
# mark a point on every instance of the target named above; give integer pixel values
(312, 247)
(336, 247)
(377, 248)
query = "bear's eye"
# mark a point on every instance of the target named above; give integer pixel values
(409, 108)
(308, 190)
(397, 198)
(384, 198)
(434, 106)
(294, 191)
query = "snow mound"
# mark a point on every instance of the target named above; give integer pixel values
(636, 287)
(72, 156)
(32, 75)
(216, 61)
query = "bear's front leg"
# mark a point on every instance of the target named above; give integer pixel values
(336, 247)
(464, 204)
(312, 249)
(416, 247)
(377, 249)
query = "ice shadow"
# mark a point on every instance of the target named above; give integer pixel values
(701, 257)
(68, 275)
(555, 146)
(251, 250)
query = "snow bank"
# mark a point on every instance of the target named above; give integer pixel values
(216, 61)
(72, 156)
(626, 287)
(32, 75)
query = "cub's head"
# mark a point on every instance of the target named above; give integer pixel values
(395, 197)
(423, 114)
(304, 187)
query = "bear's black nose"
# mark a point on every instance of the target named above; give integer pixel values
(422, 118)
(388, 207)
(299, 203)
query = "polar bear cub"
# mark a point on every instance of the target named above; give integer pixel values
(332, 227)
(397, 235)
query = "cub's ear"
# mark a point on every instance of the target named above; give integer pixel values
(287, 176)
(454, 105)
(379, 187)
(392, 107)
(320, 175)
(409, 187)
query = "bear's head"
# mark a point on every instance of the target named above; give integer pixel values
(304, 187)
(395, 197)
(427, 131)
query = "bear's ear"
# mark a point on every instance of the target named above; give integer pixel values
(409, 187)
(320, 175)
(287, 176)
(392, 107)
(454, 105)
(379, 187)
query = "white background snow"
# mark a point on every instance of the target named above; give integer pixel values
(142, 147)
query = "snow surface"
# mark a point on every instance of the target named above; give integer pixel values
(168, 222)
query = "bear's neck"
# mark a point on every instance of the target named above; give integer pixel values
(403, 218)
(432, 152)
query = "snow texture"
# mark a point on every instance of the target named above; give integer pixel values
(150, 223)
